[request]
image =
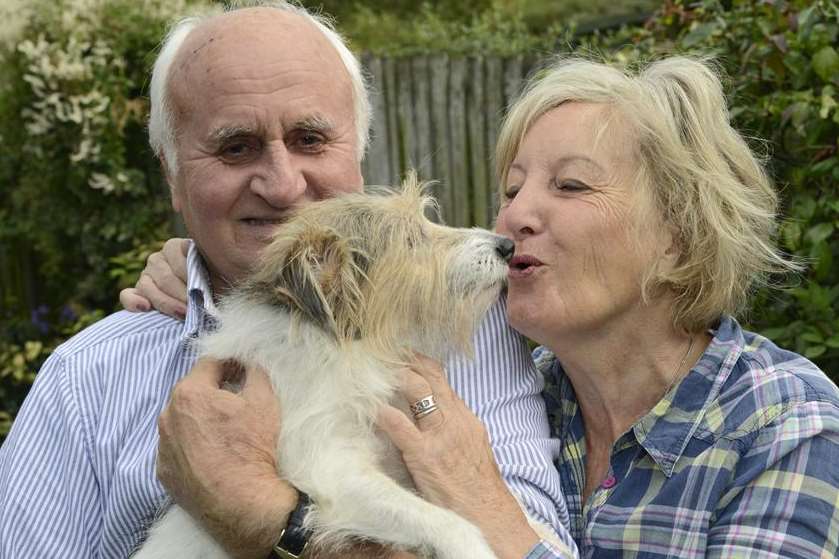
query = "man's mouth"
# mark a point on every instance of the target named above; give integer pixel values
(260, 222)
(523, 265)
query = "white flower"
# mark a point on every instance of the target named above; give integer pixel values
(99, 181)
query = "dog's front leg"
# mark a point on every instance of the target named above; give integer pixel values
(371, 505)
(177, 535)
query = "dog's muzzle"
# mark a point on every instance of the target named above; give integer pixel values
(505, 248)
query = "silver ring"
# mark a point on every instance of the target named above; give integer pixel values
(423, 406)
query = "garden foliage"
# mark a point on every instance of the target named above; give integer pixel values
(83, 201)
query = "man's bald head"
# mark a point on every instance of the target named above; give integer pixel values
(275, 25)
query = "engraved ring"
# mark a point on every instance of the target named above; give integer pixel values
(423, 406)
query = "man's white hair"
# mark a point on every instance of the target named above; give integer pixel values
(162, 123)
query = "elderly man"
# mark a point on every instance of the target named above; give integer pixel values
(253, 112)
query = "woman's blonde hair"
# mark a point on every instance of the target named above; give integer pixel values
(703, 180)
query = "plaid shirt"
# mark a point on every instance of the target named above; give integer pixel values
(740, 459)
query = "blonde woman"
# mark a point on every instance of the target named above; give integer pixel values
(642, 222)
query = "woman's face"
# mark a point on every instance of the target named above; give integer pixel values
(570, 208)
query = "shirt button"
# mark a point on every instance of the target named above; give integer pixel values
(609, 482)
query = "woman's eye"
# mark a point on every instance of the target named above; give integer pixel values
(568, 185)
(510, 192)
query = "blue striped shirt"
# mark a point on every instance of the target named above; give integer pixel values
(77, 472)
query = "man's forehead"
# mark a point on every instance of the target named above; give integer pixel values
(278, 58)
(253, 31)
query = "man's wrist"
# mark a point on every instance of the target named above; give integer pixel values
(294, 538)
(259, 537)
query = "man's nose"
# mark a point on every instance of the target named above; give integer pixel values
(281, 182)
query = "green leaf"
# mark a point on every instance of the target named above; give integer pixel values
(813, 337)
(775, 333)
(819, 232)
(699, 34)
(814, 351)
(822, 260)
(826, 64)
(832, 342)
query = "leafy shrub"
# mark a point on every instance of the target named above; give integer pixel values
(83, 199)
(783, 68)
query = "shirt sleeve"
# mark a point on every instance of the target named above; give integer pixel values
(49, 502)
(502, 386)
(783, 500)
(544, 550)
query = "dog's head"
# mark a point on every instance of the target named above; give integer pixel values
(372, 267)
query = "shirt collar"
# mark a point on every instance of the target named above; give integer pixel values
(664, 431)
(200, 308)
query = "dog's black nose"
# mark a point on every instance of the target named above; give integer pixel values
(505, 248)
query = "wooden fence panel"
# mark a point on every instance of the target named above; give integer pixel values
(440, 115)
(440, 124)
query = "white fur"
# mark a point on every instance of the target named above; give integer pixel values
(330, 392)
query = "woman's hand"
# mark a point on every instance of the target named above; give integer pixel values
(217, 458)
(162, 284)
(450, 459)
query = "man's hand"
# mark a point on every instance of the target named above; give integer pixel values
(162, 284)
(216, 458)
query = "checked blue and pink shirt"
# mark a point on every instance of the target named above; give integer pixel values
(740, 459)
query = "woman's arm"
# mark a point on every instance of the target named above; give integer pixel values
(450, 459)
(162, 284)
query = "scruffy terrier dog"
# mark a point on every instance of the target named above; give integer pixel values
(345, 294)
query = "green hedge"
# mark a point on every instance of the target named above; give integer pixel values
(784, 88)
(83, 203)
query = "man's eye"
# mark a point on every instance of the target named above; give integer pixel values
(238, 150)
(310, 140)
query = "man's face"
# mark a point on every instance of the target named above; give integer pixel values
(264, 122)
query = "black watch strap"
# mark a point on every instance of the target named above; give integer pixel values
(294, 538)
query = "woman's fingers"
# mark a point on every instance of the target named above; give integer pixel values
(398, 428)
(422, 401)
(434, 375)
(148, 287)
(132, 301)
(175, 252)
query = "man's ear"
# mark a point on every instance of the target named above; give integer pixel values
(321, 279)
(170, 180)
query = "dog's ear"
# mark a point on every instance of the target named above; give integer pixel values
(322, 278)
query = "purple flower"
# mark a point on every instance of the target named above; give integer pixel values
(37, 318)
(67, 314)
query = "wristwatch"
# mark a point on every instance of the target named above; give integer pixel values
(294, 538)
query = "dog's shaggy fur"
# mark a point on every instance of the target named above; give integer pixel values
(345, 293)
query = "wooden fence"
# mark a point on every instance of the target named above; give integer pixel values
(440, 115)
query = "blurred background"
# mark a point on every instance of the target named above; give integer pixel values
(82, 202)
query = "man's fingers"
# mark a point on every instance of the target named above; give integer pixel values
(257, 387)
(132, 301)
(206, 371)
